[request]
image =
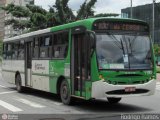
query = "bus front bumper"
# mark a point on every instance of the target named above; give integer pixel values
(101, 89)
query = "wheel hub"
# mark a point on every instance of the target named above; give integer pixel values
(65, 92)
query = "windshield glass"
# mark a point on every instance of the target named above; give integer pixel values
(123, 51)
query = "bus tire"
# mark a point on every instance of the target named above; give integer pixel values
(65, 93)
(113, 100)
(19, 83)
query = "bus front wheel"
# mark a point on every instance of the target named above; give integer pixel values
(65, 92)
(113, 100)
(19, 83)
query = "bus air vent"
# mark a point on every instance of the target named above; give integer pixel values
(129, 75)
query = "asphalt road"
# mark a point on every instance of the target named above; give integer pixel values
(38, 105)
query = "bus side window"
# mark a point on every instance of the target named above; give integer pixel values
(9, 51)
(50, 52)
(15, 48)
(66, 42)
(45, 46)
(55, 47)
(4, 51)
(35, 48)
(21, 51)
(60, 45)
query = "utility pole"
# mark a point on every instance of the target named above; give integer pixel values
(131, 10)
(153, 20)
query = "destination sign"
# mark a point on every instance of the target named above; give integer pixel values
(120, 26)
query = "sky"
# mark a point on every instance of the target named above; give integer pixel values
(101, 6)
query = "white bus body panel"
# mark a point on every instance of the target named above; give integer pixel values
(40, 74)
(37, 78)
(9, 69)
(99, 89)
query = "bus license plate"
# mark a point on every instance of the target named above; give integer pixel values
(130, 89)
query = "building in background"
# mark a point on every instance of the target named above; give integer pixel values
(144, 12)
(9, 31)
(2, 18)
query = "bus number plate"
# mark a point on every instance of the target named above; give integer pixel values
(130, 89)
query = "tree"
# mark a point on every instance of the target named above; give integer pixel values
(62, 13)
(34, 17)
(19, 17)
(157, 49)
(86, 9)
(31, 17)
(37, 18)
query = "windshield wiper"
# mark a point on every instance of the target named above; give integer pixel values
(122, 47)
(131, 43)
(116, 41)
(125, 41)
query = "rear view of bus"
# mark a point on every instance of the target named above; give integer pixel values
(125, 60)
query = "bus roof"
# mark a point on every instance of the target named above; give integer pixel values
(86, 22)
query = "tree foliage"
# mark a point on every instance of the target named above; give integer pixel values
(34, 17)
(86, 9)
(63, 14)
(19, 16)
(157, 49)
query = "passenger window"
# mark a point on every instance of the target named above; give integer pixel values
(35, 48)
(45, 46)
(5, 51)
(60, 45)
(15, 48)
(21, 51)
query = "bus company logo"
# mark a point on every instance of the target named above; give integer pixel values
(39, 67)
(4, 116)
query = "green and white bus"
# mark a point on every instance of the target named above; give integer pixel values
(89, 59)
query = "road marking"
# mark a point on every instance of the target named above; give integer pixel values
(32, 104)
(7, 92)
(57, 103)
(158, 86)
(3, 86)
(9, 106)
(158, 83)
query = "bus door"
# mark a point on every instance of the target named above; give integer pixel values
(80, 63)
(28, 63)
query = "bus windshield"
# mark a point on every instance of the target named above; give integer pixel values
(123, 51)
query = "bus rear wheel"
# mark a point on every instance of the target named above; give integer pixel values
(65, 93)
(113, 100)
(19, 83)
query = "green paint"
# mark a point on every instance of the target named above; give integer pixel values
(121, 77)
(78, 93)
(89, 22)
(56, 68)
(88, 88)
(113, 76)
(94, 68)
